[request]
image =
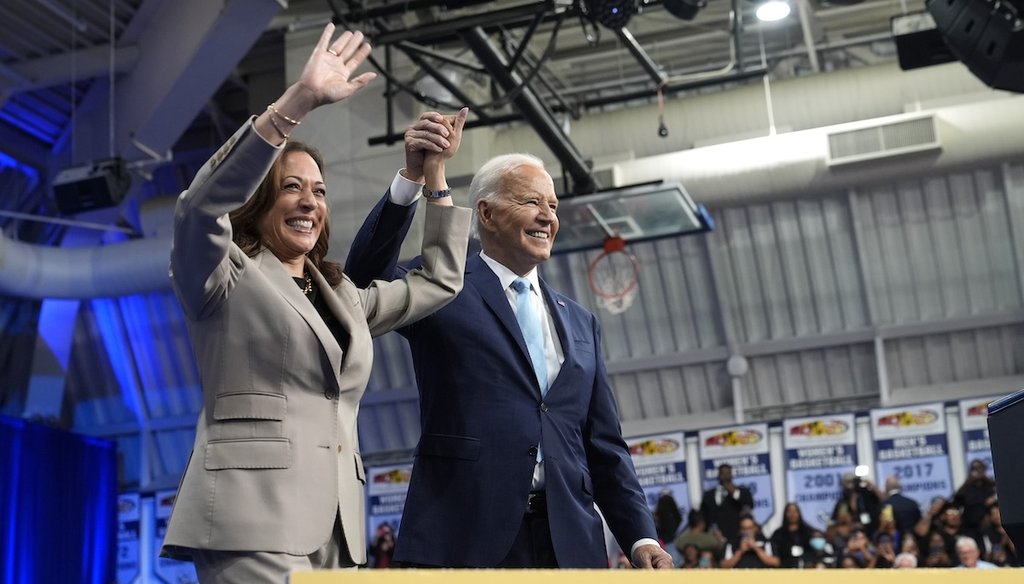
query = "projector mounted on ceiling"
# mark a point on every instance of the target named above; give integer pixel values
(99, 184)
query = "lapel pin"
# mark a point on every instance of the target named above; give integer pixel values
(561, 303)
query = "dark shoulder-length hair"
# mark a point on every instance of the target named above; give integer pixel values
(803, 527)
(245, 219)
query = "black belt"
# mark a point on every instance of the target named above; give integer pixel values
(536, 503)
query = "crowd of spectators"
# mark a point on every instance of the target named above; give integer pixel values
(868, 529)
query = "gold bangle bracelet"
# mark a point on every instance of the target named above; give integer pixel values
(273, 107)
(273, 122)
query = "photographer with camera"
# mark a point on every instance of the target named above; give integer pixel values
(862, 500)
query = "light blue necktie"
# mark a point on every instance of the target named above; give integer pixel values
(529, 322)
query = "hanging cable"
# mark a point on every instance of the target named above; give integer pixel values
(662, 128)
(74, 76)
(111, 113)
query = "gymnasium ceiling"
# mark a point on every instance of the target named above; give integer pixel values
(56, 61)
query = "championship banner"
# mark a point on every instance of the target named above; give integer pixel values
(168, 570)
(660, 462)
(819, 449)
(386, 491)
(129, 512)
(910, 444)
(745, 448)
(974, 422)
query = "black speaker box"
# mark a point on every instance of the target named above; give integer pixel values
(922, 49)
(1006, 436)
(988, 37)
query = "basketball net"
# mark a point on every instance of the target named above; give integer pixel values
(614, 276)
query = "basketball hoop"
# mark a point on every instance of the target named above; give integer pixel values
(614, 276)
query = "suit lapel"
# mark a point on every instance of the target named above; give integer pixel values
(347, 314)
(282, 282)
(559, 311)
(489, 287)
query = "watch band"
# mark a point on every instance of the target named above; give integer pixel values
(431, 194)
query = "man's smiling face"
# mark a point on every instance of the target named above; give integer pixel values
(519, 226)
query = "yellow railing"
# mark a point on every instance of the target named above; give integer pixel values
(917, 576)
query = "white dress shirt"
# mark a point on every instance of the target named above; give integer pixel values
(403, 191)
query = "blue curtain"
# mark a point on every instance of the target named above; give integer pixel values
(58, 499)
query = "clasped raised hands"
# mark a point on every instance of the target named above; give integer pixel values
(432, 139)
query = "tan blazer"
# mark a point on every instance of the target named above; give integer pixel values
(276, 456)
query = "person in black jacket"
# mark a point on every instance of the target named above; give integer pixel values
(791, 542)
(974, 498)
(723, 505)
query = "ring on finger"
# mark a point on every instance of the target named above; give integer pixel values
(332, 51)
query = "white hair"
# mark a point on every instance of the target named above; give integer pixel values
(489, 180)
(908, 558)
(964, 542)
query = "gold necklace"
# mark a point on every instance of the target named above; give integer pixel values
(309, 285)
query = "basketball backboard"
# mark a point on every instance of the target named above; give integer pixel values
(634, 213)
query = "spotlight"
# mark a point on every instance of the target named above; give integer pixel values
(772, 10)
(684, 9)
(613, 14)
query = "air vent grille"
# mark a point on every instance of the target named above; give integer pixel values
(883, 140)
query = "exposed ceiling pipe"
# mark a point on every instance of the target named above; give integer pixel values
(796, 164)
(37, 271)
(359, 14)
(135, 266)
(60, 69)
(436, 32)
(641, 56)
(757, 170)
(594, 102)
(533, 110)
(807, 29)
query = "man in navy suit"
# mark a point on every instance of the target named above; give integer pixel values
(507, 471)
(905, 511)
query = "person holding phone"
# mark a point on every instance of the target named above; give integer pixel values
(750, 549)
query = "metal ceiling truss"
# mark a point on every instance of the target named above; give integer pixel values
(519, 77)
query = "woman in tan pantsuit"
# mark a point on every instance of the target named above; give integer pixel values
(282, 337)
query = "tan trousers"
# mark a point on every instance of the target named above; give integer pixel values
(226, 567)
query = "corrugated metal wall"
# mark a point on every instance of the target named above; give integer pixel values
(926, 273)
(923, 276)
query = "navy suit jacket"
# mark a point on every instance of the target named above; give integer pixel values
(906, 512)
(482, 417)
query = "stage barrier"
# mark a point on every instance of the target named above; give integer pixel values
(834, 576)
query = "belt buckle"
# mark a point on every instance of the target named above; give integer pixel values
(534, 502)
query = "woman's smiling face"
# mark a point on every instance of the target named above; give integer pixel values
(292, 226)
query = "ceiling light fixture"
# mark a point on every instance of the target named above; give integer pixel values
(772, 10)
